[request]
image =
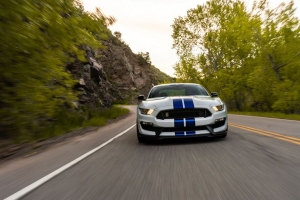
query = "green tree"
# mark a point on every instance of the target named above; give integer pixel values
(38, 39)
(244, 55)
(278, 41)
(213, 37)
(144, 58)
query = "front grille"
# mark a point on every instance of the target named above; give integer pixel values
(195, 128)
(183, 113)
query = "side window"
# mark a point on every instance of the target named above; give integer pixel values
(153, 93)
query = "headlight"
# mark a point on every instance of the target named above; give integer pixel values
(218, 108)
(146, 111)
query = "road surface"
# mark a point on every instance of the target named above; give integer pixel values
(259, 159)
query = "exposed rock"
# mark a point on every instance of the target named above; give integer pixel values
(81, 82)
(140, 83)
(94, 88)
(125, 70)
(96, 65)
(113, 73)
(137, 70)
(75, 104)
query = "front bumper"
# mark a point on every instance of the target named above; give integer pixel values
(208, 135)
(151, 127)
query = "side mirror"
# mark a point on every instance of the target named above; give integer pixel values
(214, 94)
(141, 97)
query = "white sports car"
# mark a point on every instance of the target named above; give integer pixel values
(180, 110)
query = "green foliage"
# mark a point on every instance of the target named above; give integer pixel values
(116, 39)
(122, 101)
(100, 118)
(251, 58)
(118, 35)
(144, 58)
(186, 70)
(287, 94)
(68, 120)
(95, 121)
(62, 122)
(160, 76)
(277, 115)
(38, 39)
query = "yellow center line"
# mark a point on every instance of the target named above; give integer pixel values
(267, 133)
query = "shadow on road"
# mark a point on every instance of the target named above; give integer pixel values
(183, 141)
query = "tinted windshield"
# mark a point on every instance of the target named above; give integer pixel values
(177, 90)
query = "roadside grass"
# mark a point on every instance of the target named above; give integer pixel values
(100, 119)
(121, 102)
(269, 114)
(67, 121)
(87, 119)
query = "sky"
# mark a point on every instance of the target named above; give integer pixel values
(145, 25)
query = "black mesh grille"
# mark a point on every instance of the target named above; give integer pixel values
(195, 128)
(218, 124)
(183, 113)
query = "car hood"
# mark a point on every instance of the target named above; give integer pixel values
(181, 102)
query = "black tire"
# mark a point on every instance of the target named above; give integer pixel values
(139, 137)
(223, 136)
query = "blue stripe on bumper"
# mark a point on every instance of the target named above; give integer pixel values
(179, 133)
(190, 133)
(190, 122)
(178, 122)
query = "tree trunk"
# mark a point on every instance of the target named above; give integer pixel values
(274, 67)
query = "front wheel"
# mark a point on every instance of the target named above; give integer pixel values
(139, 137)
(223, 136)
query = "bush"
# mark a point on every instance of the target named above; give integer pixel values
(65, 121)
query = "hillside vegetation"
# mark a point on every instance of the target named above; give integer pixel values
(51, 77)
(38, 39)
(162, 77)
(251, 57)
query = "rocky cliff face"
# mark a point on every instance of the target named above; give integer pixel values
(113, 75)
(93, 87)
(126, 71)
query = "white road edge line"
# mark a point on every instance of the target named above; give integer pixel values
(46, 178)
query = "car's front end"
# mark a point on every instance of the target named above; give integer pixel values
(181, 116)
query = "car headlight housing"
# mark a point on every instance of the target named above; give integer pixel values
(145, 111)
(218, 108)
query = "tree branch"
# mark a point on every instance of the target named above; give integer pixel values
(289, 61)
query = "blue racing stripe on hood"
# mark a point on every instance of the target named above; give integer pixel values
(178, 123)
(188, 103)
(177, 104)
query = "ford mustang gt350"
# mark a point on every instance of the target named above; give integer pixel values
(180, 110)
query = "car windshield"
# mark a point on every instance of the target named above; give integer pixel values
(177, 90)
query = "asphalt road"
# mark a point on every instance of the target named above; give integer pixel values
(246, 165)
